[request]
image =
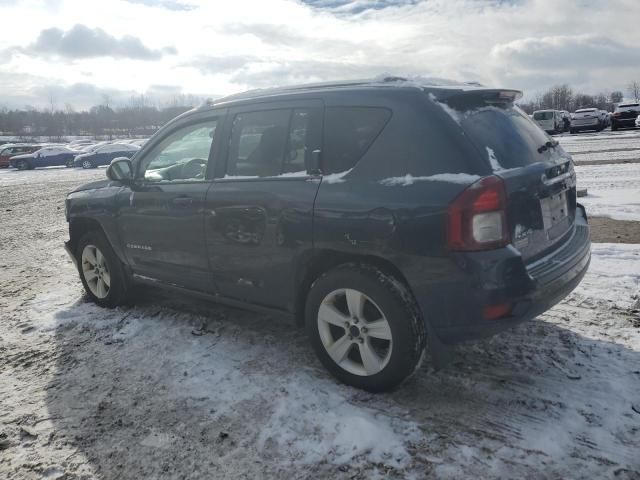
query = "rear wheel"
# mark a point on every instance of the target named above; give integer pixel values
(614, 128)
(86, 164)
(365, 327)
(102, 274)
(69, 163)
(23, 165)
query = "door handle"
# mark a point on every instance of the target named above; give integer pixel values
(182, 201)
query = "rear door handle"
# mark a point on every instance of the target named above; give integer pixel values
(182, 201)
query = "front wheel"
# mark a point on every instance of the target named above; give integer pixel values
(86, 164)
(365, 327)
(101, 272)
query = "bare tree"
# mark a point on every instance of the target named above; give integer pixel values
(616, 97)
(634, 90)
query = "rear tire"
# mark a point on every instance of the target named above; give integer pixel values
(102, 273)
(365, 327)
(23, 165)
(69, 163)
(573, 131)
(614, 128)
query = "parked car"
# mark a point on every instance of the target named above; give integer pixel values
(104, 154)
(625, 115)
(549, 120)
(587, 119)
(9, 150)
(383, 215)
(44, 157)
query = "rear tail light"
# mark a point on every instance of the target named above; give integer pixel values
(616, 114)
(477, 218)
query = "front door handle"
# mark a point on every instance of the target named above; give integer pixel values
(182, 201)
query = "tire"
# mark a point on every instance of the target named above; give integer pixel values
(573, 131)
(86, 164)
(110, 271)
(23, 165)
(614, 128)
(385, 302)
(69, 163)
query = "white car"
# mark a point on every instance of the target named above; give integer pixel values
(588, 119)
(549, 120)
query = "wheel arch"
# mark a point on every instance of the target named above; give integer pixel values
(326, 259)
(79, 226)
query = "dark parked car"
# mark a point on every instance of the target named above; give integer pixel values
(44, 157)
(104, 154)
(386, 216)
(625, 115)
(8, 151)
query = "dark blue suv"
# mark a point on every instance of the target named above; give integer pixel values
(389, 217)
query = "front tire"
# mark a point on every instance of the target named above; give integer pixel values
(86, 164)
(101, 272)
(365, 327)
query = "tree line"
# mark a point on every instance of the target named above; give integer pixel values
(562, 97)
(137, 118)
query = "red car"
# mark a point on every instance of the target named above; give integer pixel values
(8, 151)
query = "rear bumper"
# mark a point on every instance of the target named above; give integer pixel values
(624, 122)
(455, 313)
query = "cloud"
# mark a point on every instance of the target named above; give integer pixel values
(81, 41)
(168, 4)
(566, 53)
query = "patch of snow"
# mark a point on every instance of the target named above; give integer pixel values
(462, 178)
(302, 173)
(336, 177)
(456, 115)
(493, 160)
(239, 177)
(612, 190)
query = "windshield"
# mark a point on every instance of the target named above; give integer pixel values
(542, 115)
(629, 106)
(508, 133)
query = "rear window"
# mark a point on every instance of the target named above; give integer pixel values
(348, 134)
(543, 115)
(628, 106)
(586, 110)
(506, 134)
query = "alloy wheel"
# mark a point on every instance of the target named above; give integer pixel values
(355, 332)
(96, 271)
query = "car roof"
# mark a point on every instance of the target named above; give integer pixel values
(442, 86)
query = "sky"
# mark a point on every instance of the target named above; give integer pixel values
(81, 53)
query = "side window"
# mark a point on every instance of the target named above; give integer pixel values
(348, 134)
(183, 155)
(258, 143)
(304, 137)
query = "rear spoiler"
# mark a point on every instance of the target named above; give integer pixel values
(485, 95)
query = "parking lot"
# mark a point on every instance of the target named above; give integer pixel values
(178, 388)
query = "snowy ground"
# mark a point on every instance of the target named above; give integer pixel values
(177, 388)
(614, 188)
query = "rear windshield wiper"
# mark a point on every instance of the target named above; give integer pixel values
(548, 145)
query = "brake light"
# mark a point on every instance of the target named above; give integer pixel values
(616, 114)
(477, 218)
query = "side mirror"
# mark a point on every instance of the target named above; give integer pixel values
(121, 170)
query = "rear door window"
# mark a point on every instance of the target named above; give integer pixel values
(348, 134)
(270, 143)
